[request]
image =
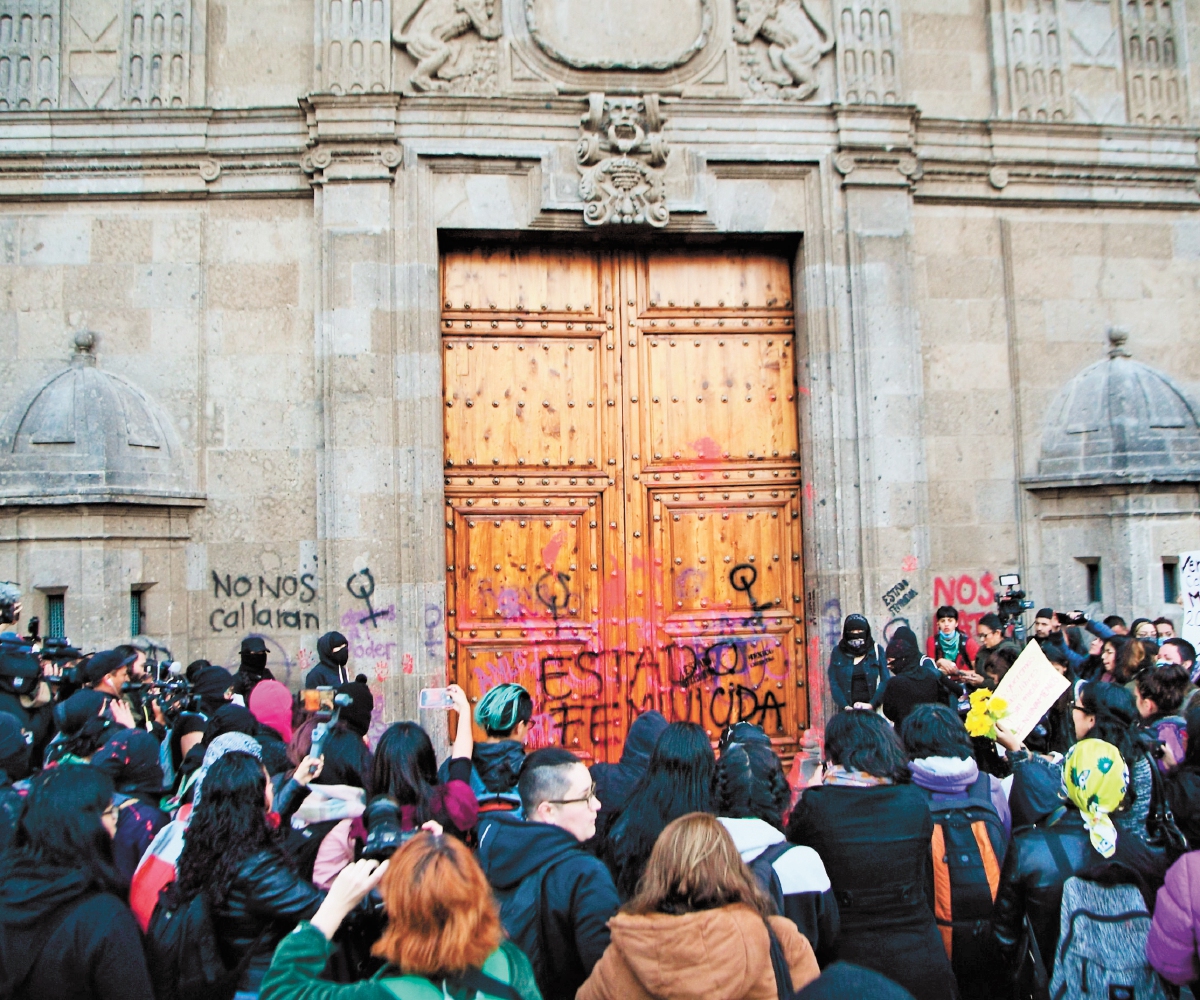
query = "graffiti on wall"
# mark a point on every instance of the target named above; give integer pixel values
(252, 602)
(973, 596)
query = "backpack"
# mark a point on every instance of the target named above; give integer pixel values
(1102, 945)
(763, 868)
(495, 979)
(182, 953)
(521, 915)
(968, 847)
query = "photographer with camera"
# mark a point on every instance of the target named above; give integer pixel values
(107, 673)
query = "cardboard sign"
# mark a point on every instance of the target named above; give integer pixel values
(1189, 582)
(1030, 687)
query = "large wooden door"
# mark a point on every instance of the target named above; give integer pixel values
(622, 521)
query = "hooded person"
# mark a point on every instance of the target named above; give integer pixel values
(186, 735)
(271, 704)
(130, 758)
(214, 687)
(614, 782)
(857, 667)
(14, 766)
(83, 728)
(332, 654)
(357, 715)
(253, 667)
(915, 680)
(65, 930)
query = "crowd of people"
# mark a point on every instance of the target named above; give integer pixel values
(197, 833)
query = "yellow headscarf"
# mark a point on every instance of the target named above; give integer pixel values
(1095, 779)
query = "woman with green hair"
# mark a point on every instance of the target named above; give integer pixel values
(504, 714)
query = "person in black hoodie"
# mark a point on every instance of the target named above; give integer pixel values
(576, 897)
(253, 667)
(66, 932)
(915, 681)
(332, 654)
(614, 782)
(504, 713)
(130, 758)
(1183, 784)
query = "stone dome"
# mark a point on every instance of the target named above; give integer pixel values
(1119, 421)
(86, 435)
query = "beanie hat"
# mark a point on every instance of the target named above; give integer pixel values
(212, 682)
(271, 704)
(73, 714)
(104, 663)
(12, 738)
(1044, 613)
(357, 715)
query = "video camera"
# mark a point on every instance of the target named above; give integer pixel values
(166, 682)
(19, 668)
(58, 650)
(1012, 605)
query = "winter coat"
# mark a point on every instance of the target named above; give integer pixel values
(302, 956)
(951, 776)
(1183, 793)
(578, 896)
(11, 803)
(1175, 932)
(841, 673)
(875, 846)
(906, 691)
(64, 938)
(841, 980)
(614, 782)
(138, 824)
(808, 899)
(266, 895)
(710, 953)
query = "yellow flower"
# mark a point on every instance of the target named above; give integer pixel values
(980, 724)
(979, 697)
(997, 707)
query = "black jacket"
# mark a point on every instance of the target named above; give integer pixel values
(10, 811)
(841, 673)
(614, 782)
(1183, 794)
(266, 895)
(875, 846)
(327, 675)
(578, 895)
(64, 938)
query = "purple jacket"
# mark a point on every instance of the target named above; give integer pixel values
(953, 776)
(1171, 946)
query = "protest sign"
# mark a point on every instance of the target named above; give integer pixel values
(1189, 583)
(1030, 687)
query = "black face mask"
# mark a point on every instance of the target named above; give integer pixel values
(340, 656)
(856, 641)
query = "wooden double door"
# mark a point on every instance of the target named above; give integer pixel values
(622, 470)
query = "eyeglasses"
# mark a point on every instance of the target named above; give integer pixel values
(1079, 708)
(566, 802)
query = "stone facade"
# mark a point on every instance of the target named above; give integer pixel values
(244, 203)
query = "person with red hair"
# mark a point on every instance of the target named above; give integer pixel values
(443, 932)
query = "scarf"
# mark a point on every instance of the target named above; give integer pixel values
(835, 774)
(856, 636)
(948, 646)
(1095, 779)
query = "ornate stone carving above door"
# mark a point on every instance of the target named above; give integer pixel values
(620, 34)
(625, 186)
(453, 43)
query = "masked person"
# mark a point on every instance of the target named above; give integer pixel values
(333, 652)
(857, 667)
(253, 668)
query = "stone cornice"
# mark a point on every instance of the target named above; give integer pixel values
(281, 152)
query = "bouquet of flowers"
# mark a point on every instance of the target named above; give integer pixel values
(986, 711)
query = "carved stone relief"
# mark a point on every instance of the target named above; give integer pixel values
(620, 34)
(868, 51)
(1154, 76)
(453, 43)
(99, 54)
(620, 156)
(356, 52)
(29, 46)
(780, 44)
(1099, 61)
